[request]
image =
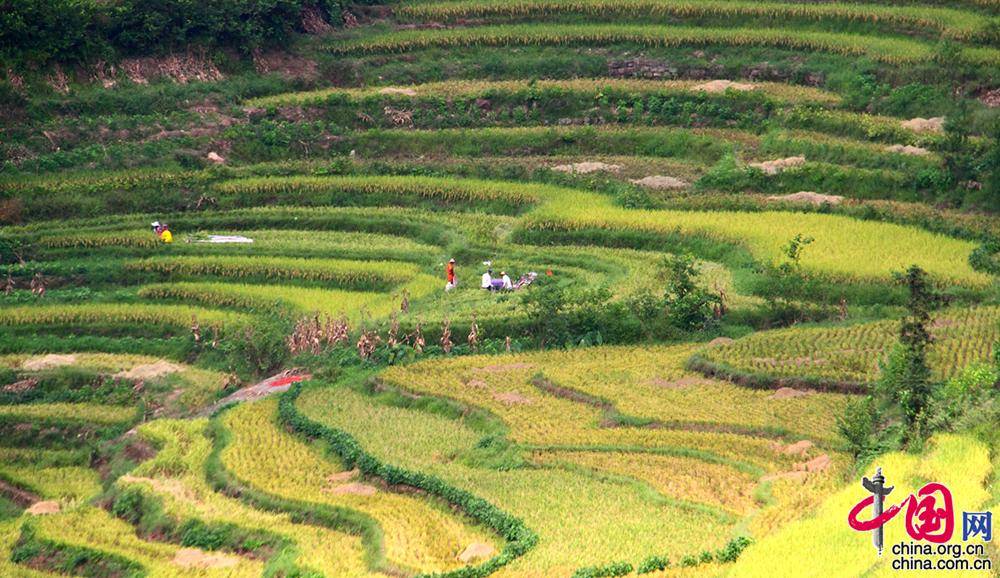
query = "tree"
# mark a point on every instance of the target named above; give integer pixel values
(793, 252)
(905, 384)
(990, 168)
(958, 159)
(898, 409)
(689, 306)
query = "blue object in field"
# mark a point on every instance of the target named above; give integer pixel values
(497, 283)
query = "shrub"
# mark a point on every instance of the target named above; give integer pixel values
(857, 426)
(653, 564)
(689, 306)
(732, 550)
(613, 569)
(41, 31)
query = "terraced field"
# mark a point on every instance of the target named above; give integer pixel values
(800, 154)
(853, 353)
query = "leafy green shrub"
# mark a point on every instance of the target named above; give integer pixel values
(732, 550)
(608, 570)
(729, 175)
(38, 31)
(653, 564)
(858, 426)
(42, 31)
(689, 306)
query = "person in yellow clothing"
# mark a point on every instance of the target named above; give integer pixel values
(163, 232)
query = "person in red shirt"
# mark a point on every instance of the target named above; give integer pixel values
(451, 273)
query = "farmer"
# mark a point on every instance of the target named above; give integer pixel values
(161, 231)
(507, 285)
(450, 271)
(487, 280)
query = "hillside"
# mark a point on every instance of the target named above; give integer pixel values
(754, 249)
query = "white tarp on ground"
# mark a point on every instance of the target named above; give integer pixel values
(226, 239)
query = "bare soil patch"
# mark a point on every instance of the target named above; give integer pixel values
(720, 341)
(341, 477)
(477, 384)
(661, 183)
(799, 448)
(723, 86)
(20, 386)
(908, 150)
(919, 124)
(512, 398)
(476, 551)
(153, 370)
(809, 197)
(44, 508)
(48, 361)
(779, 165)
(587, 167)
(194, 558)
(818, 464)
(396, 90)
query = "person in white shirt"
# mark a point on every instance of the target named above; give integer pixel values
(487, 280)
(507, 285)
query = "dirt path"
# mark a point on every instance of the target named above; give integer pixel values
(277, 383)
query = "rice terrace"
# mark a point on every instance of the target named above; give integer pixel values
(505, 288)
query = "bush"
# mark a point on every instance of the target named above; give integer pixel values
(142, 26)
(731, 551)
(37, 32)
(613, 569)
(728, 175)
(857, 426)
(689, 307)
(970, 401)
(653, 564)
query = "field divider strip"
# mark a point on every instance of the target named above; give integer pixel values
(300, 512)
(519, 537)
(716, 370)
(613, 417)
